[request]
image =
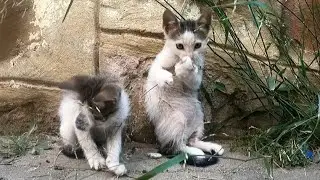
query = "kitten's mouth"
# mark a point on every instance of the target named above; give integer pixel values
(98, 115)
(96, 112)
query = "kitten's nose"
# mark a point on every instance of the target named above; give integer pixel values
(189, 55)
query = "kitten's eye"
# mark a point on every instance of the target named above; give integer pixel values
(179, 46)
(197, 45)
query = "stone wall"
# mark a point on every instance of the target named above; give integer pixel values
(37, 50)
(118, 36)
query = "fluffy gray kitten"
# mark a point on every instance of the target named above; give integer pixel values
(93, 112)
(172, 89)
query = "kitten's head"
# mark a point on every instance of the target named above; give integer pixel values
(186, 37)
(102, 96)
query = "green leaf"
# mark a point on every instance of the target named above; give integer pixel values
(226, 34)
(268, 165)
(244, 3)
(302, 68)
(258, 33)
(253, 16)
(257, 3)
(219, 86)
(164, 166)
(319, 106)
(271, 83)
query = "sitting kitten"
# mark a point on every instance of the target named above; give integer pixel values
(172, 100)
(93, 111)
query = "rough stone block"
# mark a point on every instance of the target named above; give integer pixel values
(23, 106)
(50, 50)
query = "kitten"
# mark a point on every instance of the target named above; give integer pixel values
(93, 112)
(172, 89)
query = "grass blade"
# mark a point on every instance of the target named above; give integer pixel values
(268, 165)
(271, 83)
(164, 166)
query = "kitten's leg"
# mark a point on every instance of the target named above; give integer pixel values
(70, 147)
(171, 134)
(68, 111)
(67, 133)
(113, 148)
(82, 130)
(206, 146)
(195, 141)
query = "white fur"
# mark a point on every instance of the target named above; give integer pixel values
(69, 110)
(175, 110)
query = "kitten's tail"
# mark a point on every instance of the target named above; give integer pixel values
(196, 157)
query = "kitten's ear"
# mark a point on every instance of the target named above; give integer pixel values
(169, 22)
(204, 22)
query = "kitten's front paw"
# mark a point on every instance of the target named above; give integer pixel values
(185, 67)
(187, 64)
(96, 162)
(117, 169)
(165, 78)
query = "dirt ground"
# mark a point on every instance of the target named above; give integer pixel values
(41, 166)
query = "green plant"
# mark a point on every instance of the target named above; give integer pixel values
(292, 98)
(18, 145)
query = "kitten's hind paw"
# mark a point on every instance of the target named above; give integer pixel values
(217, 149)
(96, 162)
(118, 170)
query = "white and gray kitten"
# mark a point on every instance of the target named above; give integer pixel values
(172, 89)
(93, 112)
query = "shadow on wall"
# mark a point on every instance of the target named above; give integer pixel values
(14, 27)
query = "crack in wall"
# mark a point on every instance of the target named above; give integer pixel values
(29, 83)
(141, 33)
(96, 48)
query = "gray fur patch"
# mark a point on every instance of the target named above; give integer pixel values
(81, 122)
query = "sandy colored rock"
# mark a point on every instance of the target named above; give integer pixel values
(136, 15)
(22, 107)
(52, 50)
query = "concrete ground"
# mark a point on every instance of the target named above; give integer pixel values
(42, 167)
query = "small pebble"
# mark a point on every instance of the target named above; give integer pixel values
(144, 171)
(154, 155)
(58, 168)
(34, 151)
